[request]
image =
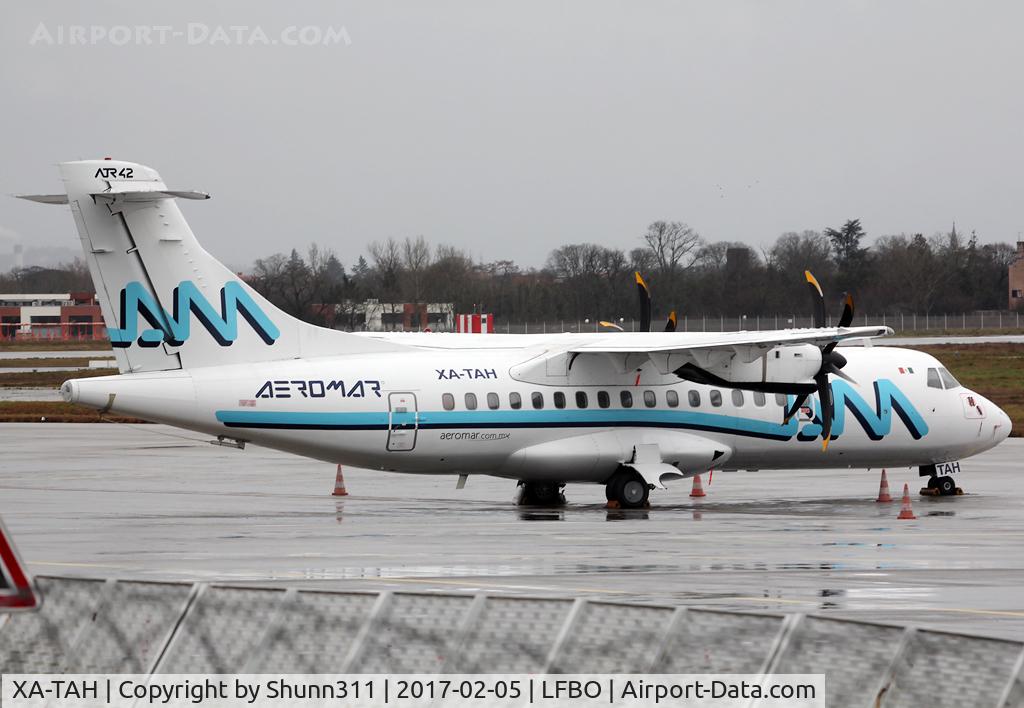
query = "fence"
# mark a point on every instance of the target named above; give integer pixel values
(716, 323)
(97, 626)
(700, 323)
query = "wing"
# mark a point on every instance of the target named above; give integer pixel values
(776, 360)
(656, 342)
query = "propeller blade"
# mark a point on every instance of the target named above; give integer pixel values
(846, 319)
(611, 325)
(645, 303)
(797, 404)
(670, 325)
(827, 408)
(818, 297)
(841, 375)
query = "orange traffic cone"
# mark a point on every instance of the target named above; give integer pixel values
(698, 489)
(883, 489)
(339, 484)
(905, 511)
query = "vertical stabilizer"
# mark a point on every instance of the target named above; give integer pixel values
(167, 303)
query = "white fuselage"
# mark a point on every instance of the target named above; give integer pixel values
(448, 408)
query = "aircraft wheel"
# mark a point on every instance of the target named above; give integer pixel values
(946, 486)
(542, 494)
(629, 489)
(933, 482)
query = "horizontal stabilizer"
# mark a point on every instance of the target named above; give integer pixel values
(132, 196)
(45, 198)
(137, 196)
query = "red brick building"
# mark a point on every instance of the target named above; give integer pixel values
(51, 316)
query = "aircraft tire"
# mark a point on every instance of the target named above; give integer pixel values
(946, 486)
(629, 489)
(542, 494)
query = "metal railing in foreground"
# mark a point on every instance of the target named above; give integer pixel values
(108, 626)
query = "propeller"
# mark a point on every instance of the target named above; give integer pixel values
(645, 303)
(831, 361)
(645, 307)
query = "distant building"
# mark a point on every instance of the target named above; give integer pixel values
(737, 258)
(1016, 278)
(376, 316)
(51, 316)
(475, 324)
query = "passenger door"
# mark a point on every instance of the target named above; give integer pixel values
(403, 421)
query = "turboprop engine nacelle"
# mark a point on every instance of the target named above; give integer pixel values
(786, 364)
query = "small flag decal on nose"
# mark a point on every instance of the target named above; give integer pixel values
(906, 370)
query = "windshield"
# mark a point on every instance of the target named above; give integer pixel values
(948, 380)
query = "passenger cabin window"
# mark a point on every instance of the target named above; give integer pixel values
(933, 379)
(759, 399)
(626, 398)
(672, 399)
(780, 399)
(693, 397)
(470, 401)
(515, 401)
(559, 399)
(948, 380)
(537, 399)
(716, 397)
(581, 399)
(492, 401)
(650, 400)
(737, 397)
(603, 400)
(448, 401)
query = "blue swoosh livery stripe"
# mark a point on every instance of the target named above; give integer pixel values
(683, 420)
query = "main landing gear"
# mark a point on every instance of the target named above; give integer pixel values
(541, 494)
(944, 486)
(627, 490)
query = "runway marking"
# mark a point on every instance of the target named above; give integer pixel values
(954, 610)
(777, 600)
(75, 565)
(992, 613)
(500, 586)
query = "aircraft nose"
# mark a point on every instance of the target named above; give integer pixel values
(1003, 425)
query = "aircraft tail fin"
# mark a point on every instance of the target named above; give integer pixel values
(167, 303)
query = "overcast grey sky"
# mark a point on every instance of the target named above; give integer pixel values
(508, 128)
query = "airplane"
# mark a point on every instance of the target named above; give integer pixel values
(199, 349)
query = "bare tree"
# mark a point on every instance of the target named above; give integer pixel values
(416, 261)
(387, 266)
(673, 244)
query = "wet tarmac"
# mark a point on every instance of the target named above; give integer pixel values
(149, 502)
(30, 394)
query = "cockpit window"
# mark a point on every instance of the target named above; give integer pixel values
(948, 379)
(933, 379)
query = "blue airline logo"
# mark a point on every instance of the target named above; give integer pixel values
(875, 420)
(175, 328)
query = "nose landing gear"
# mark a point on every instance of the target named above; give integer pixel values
(938, 486)
(941, 487)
